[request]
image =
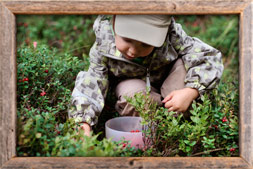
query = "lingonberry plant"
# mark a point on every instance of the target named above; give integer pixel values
(211, 129)
(46, 75)
(42, 97)
(44, 129)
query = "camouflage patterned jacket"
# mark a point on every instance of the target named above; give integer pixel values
(203, 64)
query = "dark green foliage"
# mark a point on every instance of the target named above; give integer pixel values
(46, 72)
(219, 31)
(43, 127)
(212, 129)
(71, 34)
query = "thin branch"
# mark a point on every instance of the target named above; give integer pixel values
(210, 151)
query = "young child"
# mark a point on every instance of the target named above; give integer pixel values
(144, 52)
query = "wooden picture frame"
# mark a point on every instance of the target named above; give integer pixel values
(8, 117)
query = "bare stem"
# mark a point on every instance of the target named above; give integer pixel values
(210, 151)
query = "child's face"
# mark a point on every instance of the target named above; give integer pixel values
(131, 48)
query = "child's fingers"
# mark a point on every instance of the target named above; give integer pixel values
(168, 104)
(172, 109)
(167, 98)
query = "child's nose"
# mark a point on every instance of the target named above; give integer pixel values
(133, 50)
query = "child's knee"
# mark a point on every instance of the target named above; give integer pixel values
(130, 87)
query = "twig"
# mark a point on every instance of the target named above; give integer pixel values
(210, 151)
(86, 46)
(53, 97)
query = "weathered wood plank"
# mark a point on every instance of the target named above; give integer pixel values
(246, 83)
(126, 6)
(8, 79)
(126, 162)
(1, 79)
(8, 85)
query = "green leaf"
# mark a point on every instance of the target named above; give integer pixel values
(192, 143)
(188, 148)
(187, 142)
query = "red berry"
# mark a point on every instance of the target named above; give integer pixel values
(25, 24)
(35, 44)
(132, 131)
(215, 126)
(25, 79)
(20, 24)
(124, 145)
(195, 24)
(137, 131)
(232, 149)
(57, 131)
(27, 41)
(224, 119)
(43, 93)
(46, 71)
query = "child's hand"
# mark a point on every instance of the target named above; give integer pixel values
(85, 127)
(180, 100)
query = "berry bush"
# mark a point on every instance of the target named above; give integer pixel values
(211, 129)
(50, 53)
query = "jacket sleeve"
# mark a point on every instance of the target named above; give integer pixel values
(88, 96)
(203, 63)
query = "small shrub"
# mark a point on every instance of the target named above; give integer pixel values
(45, 79)
(44, 90)
(212, 129)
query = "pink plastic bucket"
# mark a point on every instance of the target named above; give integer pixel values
(124, 128)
